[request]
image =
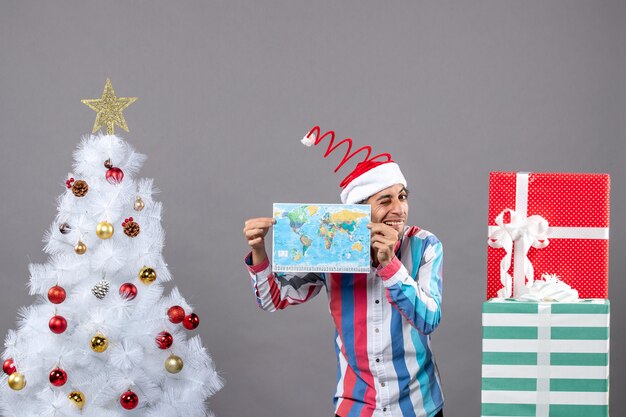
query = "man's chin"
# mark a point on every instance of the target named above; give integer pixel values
(400, 228)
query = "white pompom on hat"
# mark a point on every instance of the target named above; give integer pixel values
(369, 176)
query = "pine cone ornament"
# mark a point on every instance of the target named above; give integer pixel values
(79, 188)
(131, 227)
(101, 289)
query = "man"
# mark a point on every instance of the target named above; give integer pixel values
(383, 318)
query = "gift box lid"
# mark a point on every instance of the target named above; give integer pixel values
(576, 209)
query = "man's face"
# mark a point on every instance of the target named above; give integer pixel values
(391, 207)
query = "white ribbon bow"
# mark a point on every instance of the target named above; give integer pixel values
(550, 288)
(526, 232)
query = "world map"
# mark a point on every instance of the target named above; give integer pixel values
(321, 238)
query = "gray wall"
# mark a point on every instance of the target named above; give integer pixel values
(453, 89)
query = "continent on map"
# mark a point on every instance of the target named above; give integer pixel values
(357, 246)
(297, 218)
(327, 231)
(306, 243)
(344, 221)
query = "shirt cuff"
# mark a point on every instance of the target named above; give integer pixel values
(256, 269)
(390, 270)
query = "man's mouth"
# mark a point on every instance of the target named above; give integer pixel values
(393, 223)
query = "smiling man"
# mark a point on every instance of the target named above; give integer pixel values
(384, 318)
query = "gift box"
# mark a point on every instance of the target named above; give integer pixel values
(548, 223)
(545, 359)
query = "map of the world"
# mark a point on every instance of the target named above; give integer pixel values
(321, 238)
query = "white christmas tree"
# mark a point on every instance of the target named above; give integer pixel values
(102, 340)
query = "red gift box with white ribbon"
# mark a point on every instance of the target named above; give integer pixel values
(548, 223)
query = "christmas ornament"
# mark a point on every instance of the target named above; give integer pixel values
(58, 377)
(8, 366)
(65, 228)
(129, 400)
(17, 381)
(131, 227)
(56, 294)
(114, 175)
(128, 291)
(110, 109)
(57, 324)
(101, 289)
(176, 314)
(174, 364)
(79, 188)
(78, 398)
(80, 248)
(164, 340)
(147, 275)
(191, 321)
(108, 164)
(104, 230)
(99, 343)
(139, 204)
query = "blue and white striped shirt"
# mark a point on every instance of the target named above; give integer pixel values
(383, 321)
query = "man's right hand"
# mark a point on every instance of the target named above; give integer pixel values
(254, 230)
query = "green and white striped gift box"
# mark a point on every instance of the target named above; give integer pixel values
(545, 359)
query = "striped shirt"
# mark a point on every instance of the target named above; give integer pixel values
(383, 321)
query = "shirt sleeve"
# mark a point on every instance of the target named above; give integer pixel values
(278, 291)
(417, 298)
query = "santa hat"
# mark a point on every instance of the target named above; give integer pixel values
(368, 177)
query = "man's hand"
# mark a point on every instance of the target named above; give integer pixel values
(254, 230)
(384, 239)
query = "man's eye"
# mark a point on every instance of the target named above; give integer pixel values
(403, 197)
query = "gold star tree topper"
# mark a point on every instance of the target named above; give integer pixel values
(110, 109)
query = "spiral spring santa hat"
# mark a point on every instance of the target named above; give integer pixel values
(370, 176)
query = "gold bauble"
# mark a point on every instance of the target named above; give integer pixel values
(17, 381)
(78, 398)
(99, 343)
(174, 364)
(104, 230)
(147, 275)
(139, 204)
(80, 248)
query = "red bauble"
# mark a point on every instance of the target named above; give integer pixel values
(56, 294)
(129, 400)
(57, 324)
(128, 291)
(164, 340)
(191, 321)
(176, 314)
(9, 367)
(58, 377)
(114, 175)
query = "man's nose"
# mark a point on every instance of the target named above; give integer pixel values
(396, 206)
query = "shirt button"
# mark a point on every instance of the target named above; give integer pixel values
(377, 360)
(382, 384)
(377, 301)
(384, 408)
(376, 330)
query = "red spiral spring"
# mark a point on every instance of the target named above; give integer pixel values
(315, 133)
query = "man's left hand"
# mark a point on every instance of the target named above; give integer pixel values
(384, 239)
